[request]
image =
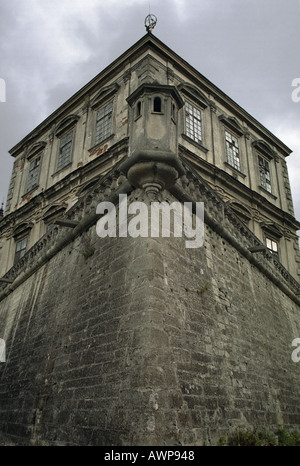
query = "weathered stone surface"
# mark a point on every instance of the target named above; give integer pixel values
(147, 343)
(141, 341)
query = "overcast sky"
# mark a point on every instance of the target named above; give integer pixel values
(49, 49)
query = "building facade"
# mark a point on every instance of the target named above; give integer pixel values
(143, 342)
(68, 152)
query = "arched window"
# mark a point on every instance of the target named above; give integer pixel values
(157, 105)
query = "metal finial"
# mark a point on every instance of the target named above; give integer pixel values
(150, 22)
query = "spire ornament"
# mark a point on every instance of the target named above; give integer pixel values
(150, 22)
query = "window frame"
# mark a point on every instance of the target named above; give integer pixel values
(234, 136)
(110, 115)
(104, 96)
(188, 133)
(272, 232)
(272, 241)
(262, 181)
(29, 186)
(61, 137)
(138, 109)
(263, 151)
(34, 153)
(157, 100)
(52, 213)
(63, 129)
(23, 250)
(20, 233)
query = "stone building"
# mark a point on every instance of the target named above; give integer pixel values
(134, 341)
(83, 139)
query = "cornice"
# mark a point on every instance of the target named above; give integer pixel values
(222, 219)
(242, 191)
(68, 181)
(191, 187)
(83, 214)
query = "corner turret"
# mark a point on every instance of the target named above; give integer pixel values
(153, 163)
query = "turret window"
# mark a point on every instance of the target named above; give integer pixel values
(157, 105)
(173, 112)
(138, 109)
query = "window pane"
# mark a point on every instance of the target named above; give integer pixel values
(33, 175)
(264, 172)
(193, 122)
(103, 123)
(272, 245)
(232, 149)
(20, 249)
(65, 150)
(157, 104)
(138, 109)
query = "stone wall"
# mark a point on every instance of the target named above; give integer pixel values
(145, 342)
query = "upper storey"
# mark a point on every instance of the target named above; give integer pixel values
(150, 104)
(210, 128)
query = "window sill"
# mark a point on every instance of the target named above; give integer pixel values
(196, 144)
(265, 191)
(274, 254)
(99, 144)
(235, 170)
(29, 193)
(61, 169)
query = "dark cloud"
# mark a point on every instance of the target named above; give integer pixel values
(49, 49)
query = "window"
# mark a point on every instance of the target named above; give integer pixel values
(241, 211)
(157, 105)
(193, 122)
(33, 177)
(272, 245)
(173, 112)
(21, 246)
(264, 173)
(272, 234)
(232, 150)
(103, 123)
(65, 150)
(138, 109)
(52, 213)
